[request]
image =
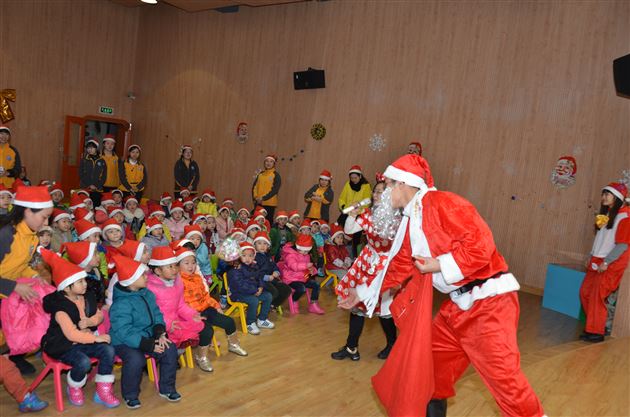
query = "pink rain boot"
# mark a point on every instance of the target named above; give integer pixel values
(75, 391)
(104, 394)
(314, 308)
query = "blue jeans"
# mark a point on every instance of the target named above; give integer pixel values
(300, 288)
(133, 364)
(79, 358)
(252, 306)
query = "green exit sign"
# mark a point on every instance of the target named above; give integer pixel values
(106, 110)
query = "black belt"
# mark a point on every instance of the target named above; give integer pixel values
(468, 287)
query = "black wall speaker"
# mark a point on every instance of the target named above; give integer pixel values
(621, 71)
(305, 80)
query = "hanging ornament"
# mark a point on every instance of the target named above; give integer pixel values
(242, 132)
(6, 114)
(377, 142)
(563, 174)
(318, 131)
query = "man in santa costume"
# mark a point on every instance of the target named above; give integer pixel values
(443, 241)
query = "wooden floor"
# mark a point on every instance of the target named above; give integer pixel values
(289, 373)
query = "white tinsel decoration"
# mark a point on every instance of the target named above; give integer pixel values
(626, 180)
(377, 142)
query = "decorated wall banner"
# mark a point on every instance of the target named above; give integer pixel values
(318, 131)
(6, 114)
(377, 142)
(242, 132)
(563, 174)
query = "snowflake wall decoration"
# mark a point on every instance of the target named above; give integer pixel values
(625, 179)
(377, 142)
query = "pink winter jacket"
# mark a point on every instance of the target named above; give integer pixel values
(176, 228)
(294, 266)
(224, 228)
(174, 308)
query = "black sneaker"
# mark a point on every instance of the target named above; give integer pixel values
(133, 404)
(172, 396)
(592, 337)
(383, 354)
(344, 353)
(24, 366)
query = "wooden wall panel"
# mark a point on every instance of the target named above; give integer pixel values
(496, 92)
(63, 57)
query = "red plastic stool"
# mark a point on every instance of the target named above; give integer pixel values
(57, 368)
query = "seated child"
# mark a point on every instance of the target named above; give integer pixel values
(195, 235)
(62, 229)
(247, 286)
(224, 223)
(70, 336)
(134, 216)
(251, 230)
(271, 274)
(6, 198)
(57, 195)
(189, 208)
(229, 203)
(208, 204)
(295, 218)
(157, 212)
(197, 297)
(155, 234)
(165, 202)
(242, 218)
(118, 215)
(280, 234)
(260, 217)
(337, 256)
(45, 236)
(297, 270)
(177, 221)
(138, 329)
(118, 198)
(324, 231)
(86, 256)
(212, 236)
(100, 213)
(89, 232)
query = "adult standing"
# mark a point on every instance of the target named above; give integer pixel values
(609, 260)
(186, 172)
(454, 249)
(319, 197)
(112, 181)
(18, 240)
(354, 191)
(133, 174)
(92, 171)
(10, 164)
(266, 187)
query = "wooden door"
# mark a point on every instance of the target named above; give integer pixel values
(73, 140)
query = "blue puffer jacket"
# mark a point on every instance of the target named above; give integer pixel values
(136, 319)
(203, 259)
(265, 263)
(244, 280)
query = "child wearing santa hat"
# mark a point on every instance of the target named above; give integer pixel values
(280, 234)
(319, 197)
(85, 255)
(338, 259)
(247, 286)
(295, 218)
(155, 234)
(156, 211)
(189, 207)
(6, 197)
(89, 232)
(71, 337)
(62, 229)
(229, 203)
(251, 230)
(195, 235)
(165, 201)
(324, 231)
(138, 329)
(57, 195)
(177, 221)
(208, 204)
(242, 218)
(196, 296)
(211, 234)
(260, 216)
(133, 173)
(134, 216)
(100, 212)
(118, 198)
(224, 223)
(44, 235)
(297, 271)
(271, 274)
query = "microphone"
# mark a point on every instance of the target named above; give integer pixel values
(363, 203)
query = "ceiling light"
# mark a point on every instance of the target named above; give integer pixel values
(149, 1)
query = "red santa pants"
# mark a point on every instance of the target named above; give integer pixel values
(595, 289)
(484, 336)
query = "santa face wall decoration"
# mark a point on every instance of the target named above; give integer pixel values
(563, 174)
(242, 133)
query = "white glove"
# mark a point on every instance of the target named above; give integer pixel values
(338, 263)
(348, 262)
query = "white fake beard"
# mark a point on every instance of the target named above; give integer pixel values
(386, 218)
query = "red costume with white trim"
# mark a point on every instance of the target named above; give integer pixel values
(477, 326)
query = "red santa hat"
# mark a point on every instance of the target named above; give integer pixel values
(184, 147)
(225, 208)
(379, 177)
(617, 189)
(85, 228)
(227, 200)
(177, 205)
(5, 190)
(128, 270)
(355, 169)
(210, 194)
(56, 188)
(198, 217)
(188, 200)
(165, 196)
(315, 221)
(59, 214)
(130, 199)
(335, 230)
(81, 213)
(155, 210)
(252, 225)
(182, 253)
(263, 236)
(242, 209)
(325, 175)
(261, 209)
(111, 224)
(237, 231)
(184, 192)
(117, 192)
(273, 157)
(324, 224)
(80, 192)
(306, 224)
(191, 230)
(112, 210)
(64, 273)
(32, 197)
(109, 138)
(107, 198)
(152, 224)
(571, 160)
(246, 246)
(294, 213)
(4, 128)
(80, 253)
(412, 170)
(77, 201)
(304, 242)
(281, 214)
(176, 244)
(162, 256)
(417, 145)
(92, 142)
(259, 215)
(134, 146)
(132, 249)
